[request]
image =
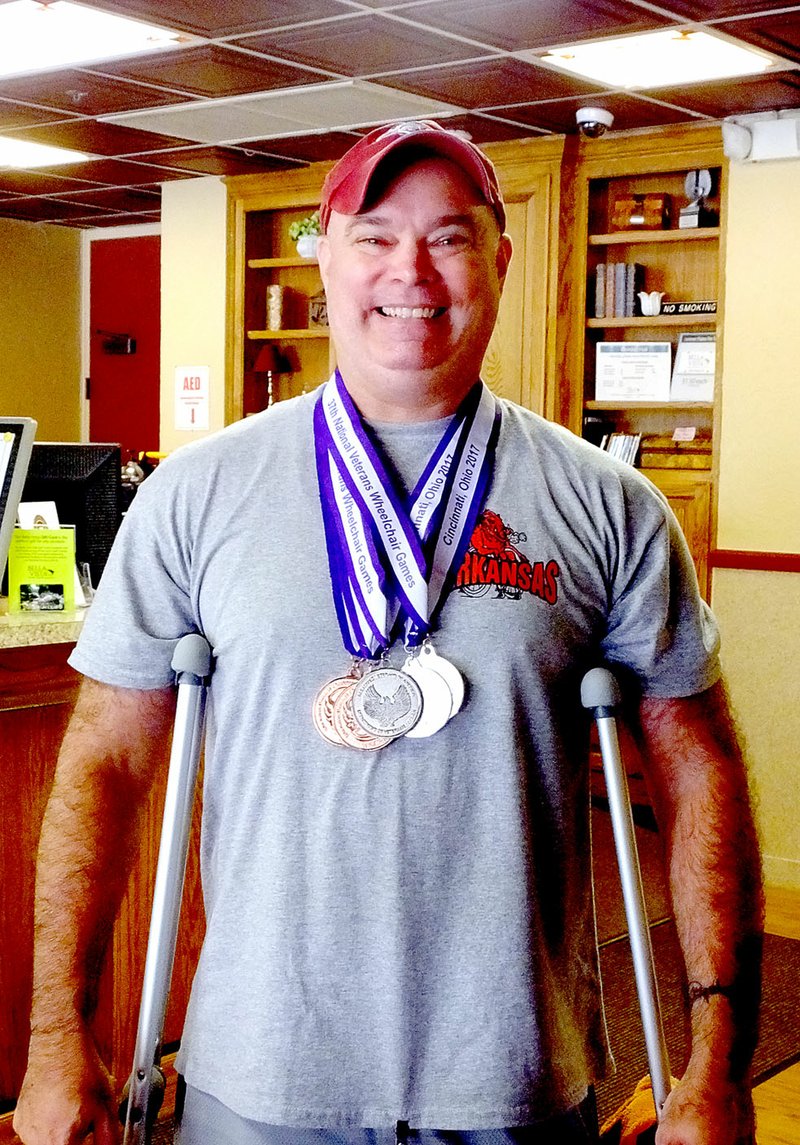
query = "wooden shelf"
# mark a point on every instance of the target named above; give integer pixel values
(676, 406)
(624, 238)
(653, 320)
(289, 335)
(262, 263)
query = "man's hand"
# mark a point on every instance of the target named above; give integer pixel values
(67, 1096)
(702, 1112)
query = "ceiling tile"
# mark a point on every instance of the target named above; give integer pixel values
(362, 46)
(490, 83)
(39, 182)
(117, 199)
(309, 148)
(219, 161)
(736, 97)
(286, 113)
(517, 24)
(95, 138)
(628, 111)
(210, 71)
(116, 220)
(778, 33)
(719, 9)
(45, 210)
(84, 175)
(19, 115)
(83, 92)
(485, 129)
(225, 17)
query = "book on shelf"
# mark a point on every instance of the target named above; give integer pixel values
(616, 285)
(623, 446)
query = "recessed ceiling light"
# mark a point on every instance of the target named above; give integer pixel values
(36, 36)
(660, 59)
(21, 153)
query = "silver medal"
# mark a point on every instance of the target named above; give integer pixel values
(430, 658)
(437, 699)
(387, 702)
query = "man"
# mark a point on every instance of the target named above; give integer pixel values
(395, 856)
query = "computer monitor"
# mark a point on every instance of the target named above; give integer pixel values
(85, 481)
(16, 439)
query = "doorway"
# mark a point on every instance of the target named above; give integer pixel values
(125, 342)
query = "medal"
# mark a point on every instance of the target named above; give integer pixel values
(455, 681)
(391, 559)
(351, 733)
(437, 699)
(387, 702)
(322, 709)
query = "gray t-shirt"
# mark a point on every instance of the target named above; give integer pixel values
(404, 934)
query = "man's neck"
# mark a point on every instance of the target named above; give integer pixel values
(407, 400)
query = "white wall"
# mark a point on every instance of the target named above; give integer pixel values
(759, 503)
(193, 277)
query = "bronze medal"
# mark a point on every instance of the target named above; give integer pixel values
(322, 710)
(350, 731)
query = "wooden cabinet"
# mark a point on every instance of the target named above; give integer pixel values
(261, 255)
(520, 360)
(37, 692)
(683, 263)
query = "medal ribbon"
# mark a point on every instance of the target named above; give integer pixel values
(389, 558)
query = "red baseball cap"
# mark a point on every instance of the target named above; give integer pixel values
(346, 185)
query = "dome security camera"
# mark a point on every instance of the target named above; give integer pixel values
(593, 121)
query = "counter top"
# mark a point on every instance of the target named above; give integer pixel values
(26, 629)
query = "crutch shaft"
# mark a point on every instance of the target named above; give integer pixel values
(143, 1097)
(600, 693)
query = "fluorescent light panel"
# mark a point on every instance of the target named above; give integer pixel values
(659, 59)
(275, 114)
(35, 37)
(21, 153)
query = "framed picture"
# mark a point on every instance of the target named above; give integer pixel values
(633, 371)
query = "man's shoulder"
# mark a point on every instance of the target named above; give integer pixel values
(558, 453)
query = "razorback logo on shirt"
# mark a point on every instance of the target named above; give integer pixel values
(494, 561)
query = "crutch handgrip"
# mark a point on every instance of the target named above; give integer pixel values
(600, 692)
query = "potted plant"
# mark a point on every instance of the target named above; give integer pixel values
(304, 234)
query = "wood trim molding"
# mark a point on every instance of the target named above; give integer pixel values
(756, 561)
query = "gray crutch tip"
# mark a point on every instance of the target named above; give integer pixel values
(599, 689)
(193, 655)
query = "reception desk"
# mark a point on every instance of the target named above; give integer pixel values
(37, 692)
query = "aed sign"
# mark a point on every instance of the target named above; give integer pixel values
(191, 397)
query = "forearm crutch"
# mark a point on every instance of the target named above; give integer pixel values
(600, 693)
(191, 664)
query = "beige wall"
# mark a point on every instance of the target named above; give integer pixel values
(759, 505)
(193, 270)
(40, 367)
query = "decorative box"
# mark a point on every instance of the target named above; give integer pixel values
(641, 212)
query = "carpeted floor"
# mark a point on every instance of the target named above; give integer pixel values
(779, 1044)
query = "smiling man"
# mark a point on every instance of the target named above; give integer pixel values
(403, 579)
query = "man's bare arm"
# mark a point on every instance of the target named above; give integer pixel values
(111, 753)
(700, 792)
